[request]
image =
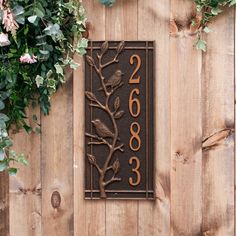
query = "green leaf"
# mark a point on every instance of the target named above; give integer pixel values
(2, 105)
(26, 30)
(233, 2)
(44, 52)
(34, 117)
(3, 165)
(39, 13)
(4, 117)
(2, 154)
(27, 128)
(2, 124)
(12, 154)
(83, 43)
(38, 130)
(8, 143)
(215, 11)
(49, 74)
(43, 67)
(12, 171)
(21, 159)
(207, 30)
(108, 3)
(39, 80)
(74, 65)
(81, 46)
(18, 12)
(201, 45)
(4, 95)
(59, 69)
(32, 19)
(54, 31)
(51, 83)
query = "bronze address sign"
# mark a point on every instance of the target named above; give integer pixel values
(119, 132)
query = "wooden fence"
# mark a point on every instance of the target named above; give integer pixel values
(194, 138)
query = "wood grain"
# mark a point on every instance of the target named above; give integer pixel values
(78, 130)
(234, 118)
(186, 127)
(154, 217)
(4, 201)
(121, 23)
(218, 124)
(25, 187)
(57, 164)
(194, 137)
(89, 216)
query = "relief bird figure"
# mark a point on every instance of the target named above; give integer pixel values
(102, 130)
(114, 80)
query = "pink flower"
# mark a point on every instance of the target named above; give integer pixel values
(27, 58)
(9, 22)
(1, 4)
(4, 41)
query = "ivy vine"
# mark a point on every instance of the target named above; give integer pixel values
(37, 41)
(208, 9)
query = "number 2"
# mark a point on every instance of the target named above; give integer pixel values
(133, 80)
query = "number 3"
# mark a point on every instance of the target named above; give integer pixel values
(136, 171)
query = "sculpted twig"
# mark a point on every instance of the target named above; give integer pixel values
(120, 148)
(101, 129)
(113, 179)
(102, 140)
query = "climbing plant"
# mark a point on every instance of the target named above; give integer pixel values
(208, 9)
(37, 42)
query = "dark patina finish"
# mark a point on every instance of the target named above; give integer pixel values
(119, 112)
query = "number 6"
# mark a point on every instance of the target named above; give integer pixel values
(133, 101)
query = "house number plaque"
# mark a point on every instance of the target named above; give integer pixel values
(119, 130)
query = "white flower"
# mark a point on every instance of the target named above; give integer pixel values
(4, 41)
(27, 58)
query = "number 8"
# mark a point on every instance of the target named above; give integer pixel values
(135, 136)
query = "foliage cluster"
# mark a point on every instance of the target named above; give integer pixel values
(37, 41)
(209, 9)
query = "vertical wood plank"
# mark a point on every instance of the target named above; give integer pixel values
(4, 204)
(78, 128)
(234, 118)
(89, 218)
(57, 164)
(218, 125)
(153, 24)
(25, 187)
(121, 24)
(186, 127)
